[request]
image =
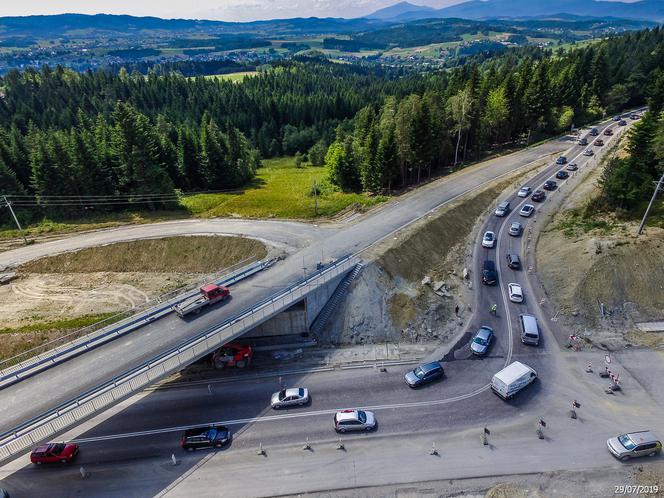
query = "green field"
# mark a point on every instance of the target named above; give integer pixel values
(237, 77)
(280, 190)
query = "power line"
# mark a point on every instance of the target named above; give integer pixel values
(115, 196)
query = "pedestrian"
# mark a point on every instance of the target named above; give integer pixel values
(494, 308)
(456, 309)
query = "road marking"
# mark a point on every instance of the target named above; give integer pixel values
(273, 418)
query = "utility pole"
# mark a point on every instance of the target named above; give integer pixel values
(11, 210)
(652, 200)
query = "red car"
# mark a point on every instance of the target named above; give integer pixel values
(54, 452)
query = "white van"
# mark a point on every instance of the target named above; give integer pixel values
(529, 330)
(511, 379)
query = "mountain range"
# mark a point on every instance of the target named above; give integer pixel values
(518, 9)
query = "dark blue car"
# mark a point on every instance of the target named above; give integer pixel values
(424, 374)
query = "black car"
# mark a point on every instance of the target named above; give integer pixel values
(561, 175)
(489, 275)
(622, 122)
(561, 160)
(424, 374)
(513, 261)
(549, 185)
(594, 132)
(213, 436)
(538, 196)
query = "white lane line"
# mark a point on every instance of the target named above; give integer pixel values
(272, 418)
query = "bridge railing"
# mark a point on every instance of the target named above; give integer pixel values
(31, 432)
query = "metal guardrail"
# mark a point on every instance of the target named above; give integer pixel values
(33, 431)
(52, 357)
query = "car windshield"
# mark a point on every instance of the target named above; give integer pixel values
(301, 392)
(479, 340)
(489, 236)
(282, 394)
(361, 416)
(57, 448)
(627, 442)
(212, 434)
(419, 373)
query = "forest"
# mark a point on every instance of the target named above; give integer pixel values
(377, 128)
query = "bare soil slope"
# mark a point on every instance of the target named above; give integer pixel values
(600, 277)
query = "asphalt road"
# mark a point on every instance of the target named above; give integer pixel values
(63, 382)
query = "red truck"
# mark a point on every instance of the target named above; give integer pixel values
(209, 294)
(233, 354)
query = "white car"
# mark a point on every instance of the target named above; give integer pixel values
(489, 240)
(527, 210)
(295, 396)
(515, 292)
(524, 191)
(588, 152)
(354, 420)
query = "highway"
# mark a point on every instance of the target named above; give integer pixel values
(63, 382)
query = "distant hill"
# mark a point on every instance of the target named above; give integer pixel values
(124, 25)
(400, 9)
(512, 9)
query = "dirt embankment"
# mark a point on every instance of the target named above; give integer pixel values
(55, 295)
(413, 282)
(601, 277)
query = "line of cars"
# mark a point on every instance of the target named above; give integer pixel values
(516, 376)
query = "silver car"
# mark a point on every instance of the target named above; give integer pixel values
(515, 229)
(482, 341)
(354, 420)
(634, 444)
(295, 396)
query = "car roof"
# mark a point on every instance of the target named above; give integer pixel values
(516, 223)
(43, 448)
(430, 366)
(348, 415)
(197, 431)
(513, 256)
(293, 391)
(643, 437)
(514, 286)
(484, 332)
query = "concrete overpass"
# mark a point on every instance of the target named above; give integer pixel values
(47, 403)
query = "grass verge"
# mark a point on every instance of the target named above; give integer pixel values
(21, 339)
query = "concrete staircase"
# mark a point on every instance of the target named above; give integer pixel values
(332, 304)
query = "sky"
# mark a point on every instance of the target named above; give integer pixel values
(224, 10)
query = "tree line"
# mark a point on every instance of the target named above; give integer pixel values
(500, 102)
(121, 133)
(627, 182)
(121, 159)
